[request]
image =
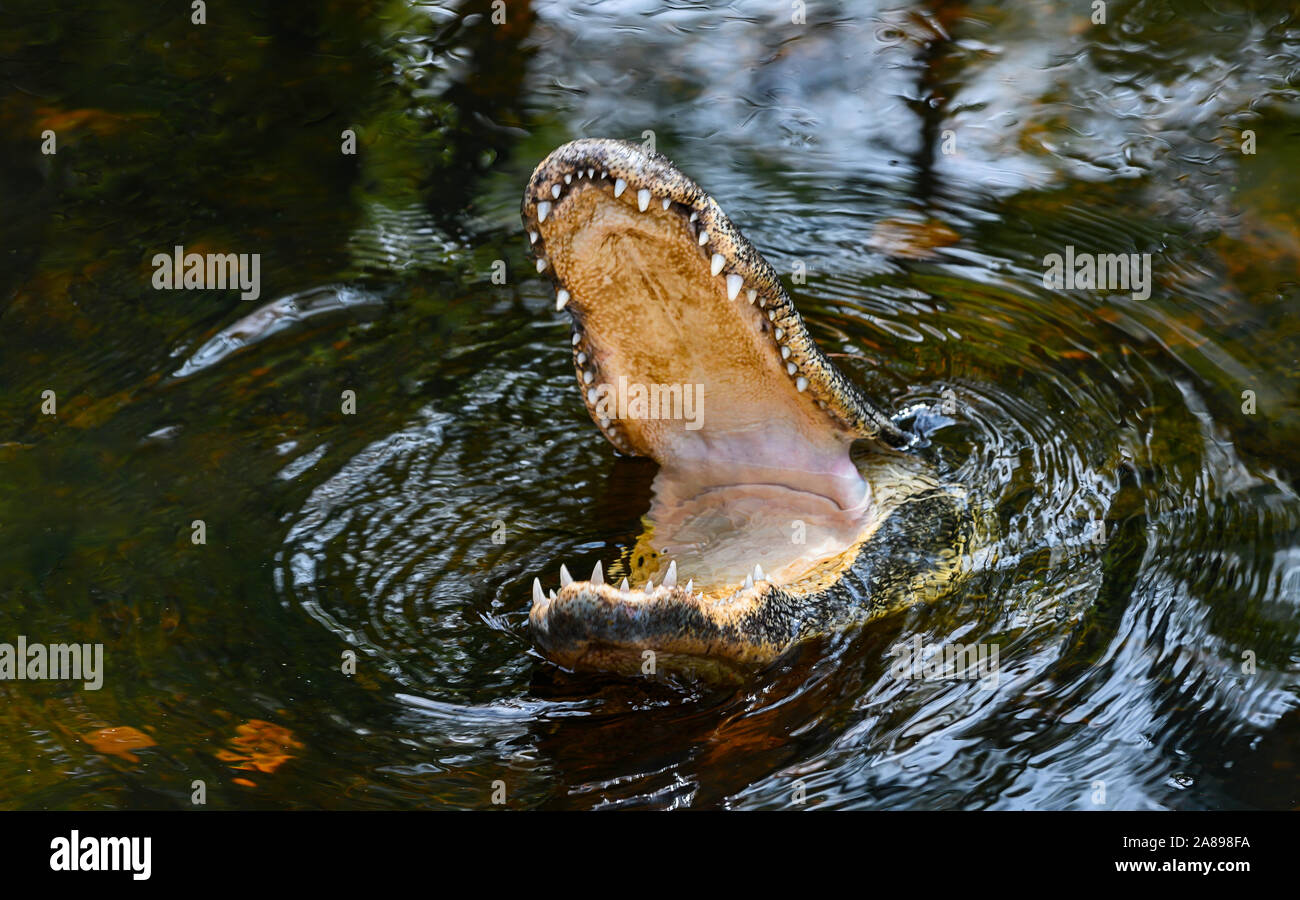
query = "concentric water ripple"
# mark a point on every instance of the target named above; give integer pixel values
(1140, 570)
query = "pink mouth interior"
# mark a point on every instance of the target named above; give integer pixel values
(652, 313)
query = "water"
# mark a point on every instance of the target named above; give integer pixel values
(1143, 582)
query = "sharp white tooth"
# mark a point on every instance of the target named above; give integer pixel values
(543, 210)
(791, 368)
(568, 179)
(694, 215)
(592, 396)
(597, 574)
(718, 262)
(555, 191)
(785, 352)
(604, 423)
(619, 187)
(734, 284)
(690, 586)
(591, 173)
(771, 315)
(758, 572)
(582, 360)
(668, 201)
(532, 236)
(538, 596)
(643, 199)
(650, 586)
(604, 173)
(589, 376)
(541, 265)
(749, 582)
(801, 384)
(780, 333)
(577, 339)
(561, 298)
(565, 578)
(753, 295)
(670, 580)
(704, 238)
(622, 586)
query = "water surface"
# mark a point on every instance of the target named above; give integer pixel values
(1137, 456)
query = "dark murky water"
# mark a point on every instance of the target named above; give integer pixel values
(1144, 584)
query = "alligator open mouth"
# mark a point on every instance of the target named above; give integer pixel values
(688, 350)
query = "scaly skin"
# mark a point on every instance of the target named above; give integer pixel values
(662, 288)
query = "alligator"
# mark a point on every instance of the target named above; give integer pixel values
(785, 504)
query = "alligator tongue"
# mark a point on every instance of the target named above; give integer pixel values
(718, 533)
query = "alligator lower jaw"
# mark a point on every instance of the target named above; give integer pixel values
(719, 631)
(596, 626)
(665, 293)
(730, 615)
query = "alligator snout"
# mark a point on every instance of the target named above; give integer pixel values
(594, 625)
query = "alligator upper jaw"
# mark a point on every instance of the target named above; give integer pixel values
(665, 292)
(670, 303)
